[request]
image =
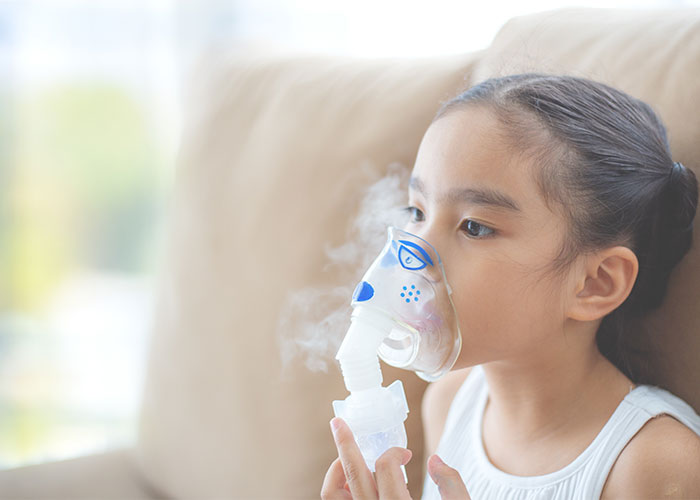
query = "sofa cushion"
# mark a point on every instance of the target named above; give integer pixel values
(653, 55)
(276, 155)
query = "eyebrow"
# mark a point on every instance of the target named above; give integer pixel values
(476, 196)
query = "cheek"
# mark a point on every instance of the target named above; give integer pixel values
(503, 306)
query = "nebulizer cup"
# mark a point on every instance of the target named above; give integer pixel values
(402, 313)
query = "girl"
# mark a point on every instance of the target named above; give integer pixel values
(559, 215)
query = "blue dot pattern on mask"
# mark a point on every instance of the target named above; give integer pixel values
(410, 293)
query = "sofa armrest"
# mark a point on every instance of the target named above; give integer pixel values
(110, 475)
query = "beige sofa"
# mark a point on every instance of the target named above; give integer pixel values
(277, 154)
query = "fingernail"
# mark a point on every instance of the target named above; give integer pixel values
(335, 425)
(438, 460)
(406, 456)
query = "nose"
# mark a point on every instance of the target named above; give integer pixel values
(436, 239)
(431, 235)
(439, 242)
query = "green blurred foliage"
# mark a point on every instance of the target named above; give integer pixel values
(24, 430)
(82, 189)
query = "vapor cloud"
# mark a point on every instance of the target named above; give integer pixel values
(314, 320)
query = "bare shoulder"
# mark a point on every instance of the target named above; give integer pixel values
(436, 403)
(661, 461)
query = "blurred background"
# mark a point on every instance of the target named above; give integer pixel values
(90, 117)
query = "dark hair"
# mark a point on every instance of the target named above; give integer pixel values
(604, 157)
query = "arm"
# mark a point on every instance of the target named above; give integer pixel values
(661, 461)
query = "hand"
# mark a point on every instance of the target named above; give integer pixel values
(448, 480)
(349, 477)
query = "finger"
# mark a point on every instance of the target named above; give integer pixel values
(448, 480)
(357, 474)
(334, 483)
(390, 479)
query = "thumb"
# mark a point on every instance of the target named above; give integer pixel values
(447, 479)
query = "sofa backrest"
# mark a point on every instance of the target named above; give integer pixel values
(276, 155)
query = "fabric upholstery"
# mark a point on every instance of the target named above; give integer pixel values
(112, 475)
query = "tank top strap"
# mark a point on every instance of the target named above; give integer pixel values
(658, 401)
(642, 404)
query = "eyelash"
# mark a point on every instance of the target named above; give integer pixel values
(413, 210)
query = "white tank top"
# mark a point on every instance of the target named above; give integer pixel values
(461, 446)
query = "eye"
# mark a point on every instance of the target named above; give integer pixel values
(415, 214)
(476, 230)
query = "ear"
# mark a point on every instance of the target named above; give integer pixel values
(604, 282)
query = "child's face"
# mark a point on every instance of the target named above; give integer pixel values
(495, 255)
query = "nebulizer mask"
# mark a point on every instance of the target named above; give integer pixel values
(403, 314)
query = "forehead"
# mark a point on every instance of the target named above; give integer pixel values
(469, 148)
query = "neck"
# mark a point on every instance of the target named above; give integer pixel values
(551, 390)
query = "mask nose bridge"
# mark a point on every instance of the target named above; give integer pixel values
(429, 234)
